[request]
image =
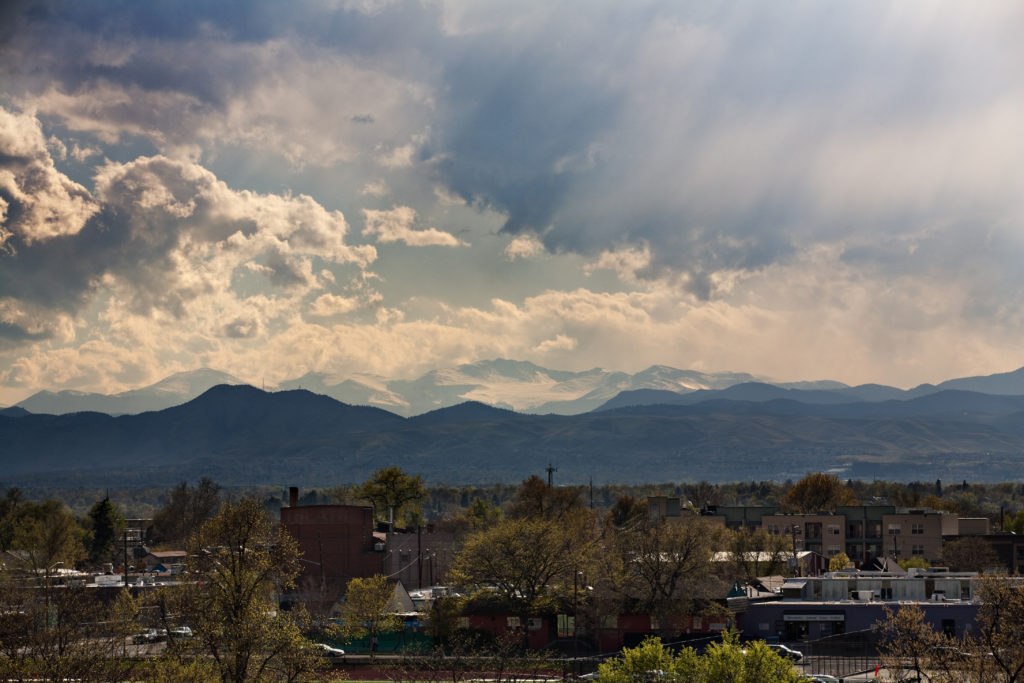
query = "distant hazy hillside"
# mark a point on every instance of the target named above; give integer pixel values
(170, 391)
(514, 385)
(523, 387)
(241, 435)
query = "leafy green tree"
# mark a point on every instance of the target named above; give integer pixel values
(242, 560)
(1015, 523)
(644, 661)
(838, 562)
(369, 609)
(816, 492)
(914, 562)
(107, 526)
(8, 509)
(528, 563)
(48, 536)
(393, 493)
(626, 512)
(482, 514)
(727, 661)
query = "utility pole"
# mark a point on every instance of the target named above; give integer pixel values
(551, 471)
(795, 530)
(124, 541)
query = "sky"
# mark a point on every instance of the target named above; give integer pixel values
(799, 190)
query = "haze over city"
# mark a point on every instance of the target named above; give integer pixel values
(797, 191)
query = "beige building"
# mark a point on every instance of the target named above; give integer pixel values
(863, 532)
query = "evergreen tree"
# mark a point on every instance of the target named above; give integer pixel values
(107, 526)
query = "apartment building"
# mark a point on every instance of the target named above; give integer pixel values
(863, 532)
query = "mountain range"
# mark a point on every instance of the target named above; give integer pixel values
(514, 385)
(972, 428)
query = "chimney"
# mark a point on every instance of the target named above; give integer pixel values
(293, 496)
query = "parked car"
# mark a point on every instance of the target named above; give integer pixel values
(181, 632)
(820, 678)
(787, 652)
(150, 635)
(329, 651)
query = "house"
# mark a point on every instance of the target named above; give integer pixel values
(165, 560)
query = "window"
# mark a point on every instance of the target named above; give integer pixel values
(833, 529)
(894, 529)
(833, 550)
(885, 593)
(917, 550)
(917, 528)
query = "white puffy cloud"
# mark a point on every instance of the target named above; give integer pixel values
(37, 202)
(396, 225)
(626, 261)
(327, 305)
(523, 246)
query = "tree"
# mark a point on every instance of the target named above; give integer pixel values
(1000, 624)
(534, 498)
(908, 643)
(667, 569)
(817, 492)
(969, 554)
(727, 661)
(481, 514)
(369, 609)
(63, 634)
(8, 509)
(107, 525)
(185, 510)
(48, 536)
(754, 553)
(914, 562)
(626, 512)
(242, 561)
(392, 493)
(528, 563)
(838, 562)
(730, 661)
(911, 646)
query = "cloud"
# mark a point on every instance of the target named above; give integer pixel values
(37, 202)
(328, 305)
(559, 343)
(626, 261)
(813, 190)
(395, 225)
(523, 246)
(374, 188)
